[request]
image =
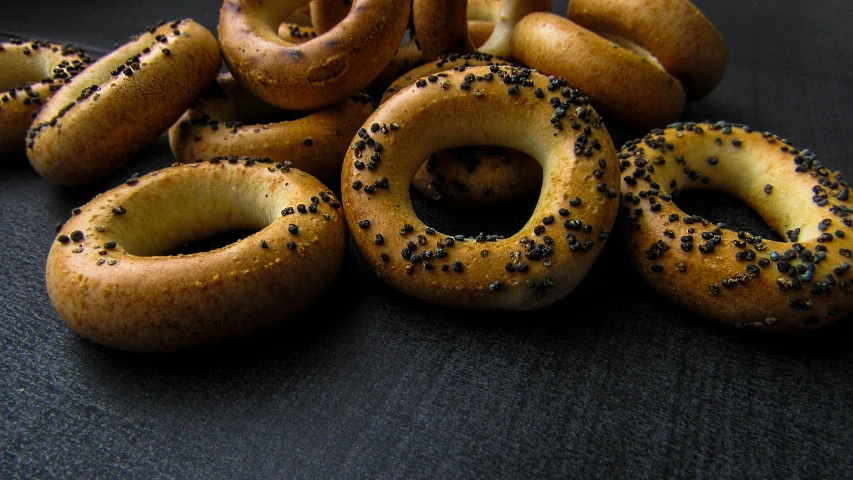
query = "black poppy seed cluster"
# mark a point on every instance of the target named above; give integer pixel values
(73, 62)
(126, 69)
(808, 272)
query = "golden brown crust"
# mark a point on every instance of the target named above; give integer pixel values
(735, 278)
(30, 72)
(441, 27)
(535, 267)
(616, 80)
(108, 278)
(321, 72)
(474, 175)
(684, 42)
(230, 121)
(122, 102)
(325, 14)
(483, 10)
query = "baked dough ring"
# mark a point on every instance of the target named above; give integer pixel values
(628, 85)
(230, 121)
(315, 74)
(108, 278)
(122, 102)
(29, 74)
(535, 267)
(735, 278)
(474, 175)
(684, 42)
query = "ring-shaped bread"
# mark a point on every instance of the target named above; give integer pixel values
(628, 85)
(675, 32)
(472, 175)
(320, 72)
(30, 72)
(494, 105)
(736, 278)
(228, 120)
(122, 102)
(109, 275)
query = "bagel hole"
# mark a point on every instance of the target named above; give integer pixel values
(504, 219)
(212, 242)
(718, 207)
(505, 204)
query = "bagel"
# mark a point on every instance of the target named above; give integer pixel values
(675, 32)
(496, 105)
(321, 72)
(122, 102)
(736, 278)
(474, 175)
(620, 81)
(110, 279)
(29, 74)
(228, 120)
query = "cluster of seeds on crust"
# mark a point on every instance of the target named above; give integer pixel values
(455, 61)
(796, 267)
(61, 73)
(312, 208)
(296, 32)
(127, 69)
(538, 247)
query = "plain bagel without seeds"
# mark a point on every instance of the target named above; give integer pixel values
(736, 278)
(494, 105)
(109, 278)
(675, 32)
(471, 175)
(122, 102)
(30, 72)
(228, 120)
(320, 72)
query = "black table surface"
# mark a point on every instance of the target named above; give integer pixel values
(611, 381)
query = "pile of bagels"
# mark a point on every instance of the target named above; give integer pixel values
(471, 103)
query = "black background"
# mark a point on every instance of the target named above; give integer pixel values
(612, 380)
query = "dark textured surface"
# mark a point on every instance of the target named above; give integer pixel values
(611, 381)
